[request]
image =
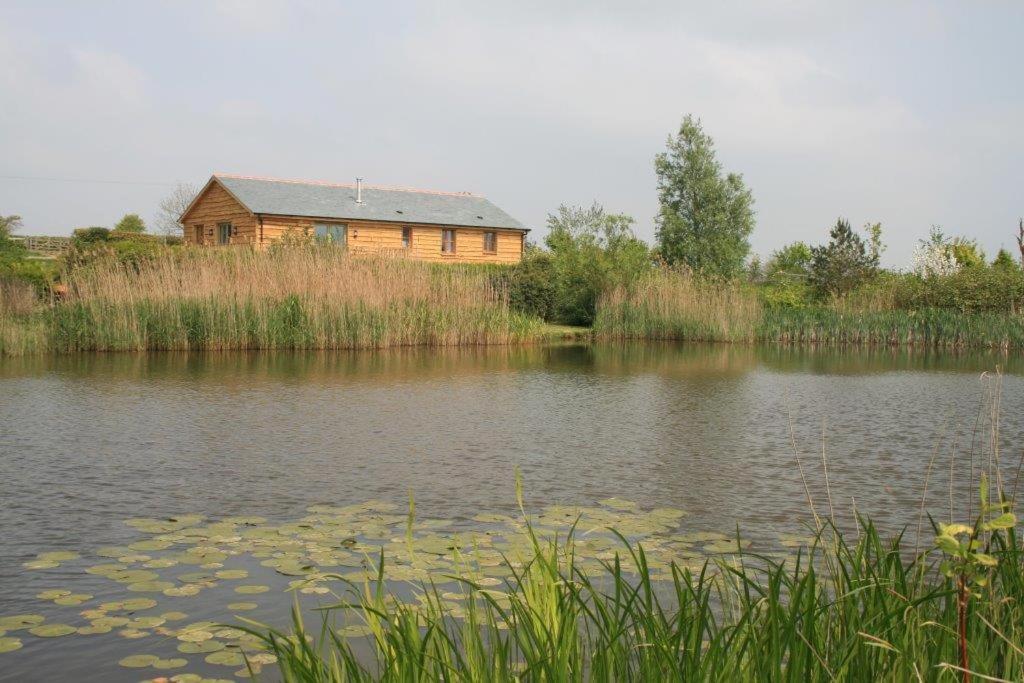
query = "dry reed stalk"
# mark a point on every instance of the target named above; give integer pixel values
(17, 298)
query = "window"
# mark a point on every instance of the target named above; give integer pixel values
(198, 234)
(406, 237)
(447, 241)
(490, 242)
(331, 233)
(224, 233)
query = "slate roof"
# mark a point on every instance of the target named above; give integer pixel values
(324, 200)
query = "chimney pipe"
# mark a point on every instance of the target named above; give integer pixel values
(359, 190)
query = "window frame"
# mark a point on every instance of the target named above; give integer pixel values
(493, 236)
(224, 232)
(453, 243)
(330, 230)
(406, 237)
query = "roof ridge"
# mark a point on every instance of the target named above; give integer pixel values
(351, 186)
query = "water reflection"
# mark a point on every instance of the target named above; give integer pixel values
(87, 441)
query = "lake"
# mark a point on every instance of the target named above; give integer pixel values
(90, 441)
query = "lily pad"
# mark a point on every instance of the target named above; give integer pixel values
(173, 616)
(138, 661)
(242, 606)
(9, 644)
(204, 647)
(225, 658)
(251, 590)
(194, 636)
(58, 556)
(150, 586)
(132, 633)
(173, 663)
(20, 622)
(40, 564)
(94, 629)
(52, 594)
(73, 599)
(52, 630)
(232, 574)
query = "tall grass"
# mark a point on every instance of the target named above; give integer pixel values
(671, 304)
(21, 330)
(675, 305)
(840, 610)
(303, 297)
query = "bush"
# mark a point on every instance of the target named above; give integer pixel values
(592, 252)
(89, 236)
(532, 286)
(784, 291)
(89, 245)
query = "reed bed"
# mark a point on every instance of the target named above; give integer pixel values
(297, 298)
(676, 305)
(850, 609)
(21, 330)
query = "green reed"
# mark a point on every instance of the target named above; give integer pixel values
(300, 298)
(862, 609)
(672, 305)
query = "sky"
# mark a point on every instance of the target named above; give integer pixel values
(904, 113)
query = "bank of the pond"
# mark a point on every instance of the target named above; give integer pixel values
(932, 328)
(859, 608)
(679, 306)
(322, 298)
(313, 298)
(302, 323)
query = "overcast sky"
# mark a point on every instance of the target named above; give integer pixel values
(901, 112)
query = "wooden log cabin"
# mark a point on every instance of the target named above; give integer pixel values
(425, 225)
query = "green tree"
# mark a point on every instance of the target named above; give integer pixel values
(1005, 261)
(131, 222)
(967, 253)
(792, 259)
(842, 264)
(875, 246)
(591, 251)
(706, 216)
(10, 249)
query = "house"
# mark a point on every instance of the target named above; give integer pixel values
(431, 226)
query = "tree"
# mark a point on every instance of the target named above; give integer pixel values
(842, 264)
(792, 259)
(706, 216)
(933, 257)
(1020, 240)
(875, 246)
(168, 219)
(8, 225)
(10, 249)
(967, 253)
(1005, 261)
(131, 222)
(591, 251)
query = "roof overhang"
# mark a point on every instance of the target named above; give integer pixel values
(380, 220)
(199, 195)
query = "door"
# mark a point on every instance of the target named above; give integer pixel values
(331, 233)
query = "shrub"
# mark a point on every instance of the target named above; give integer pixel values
(89, 236)
(532, 286)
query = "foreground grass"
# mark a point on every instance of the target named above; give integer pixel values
(673, 305)
(862, 609)
(299, 298)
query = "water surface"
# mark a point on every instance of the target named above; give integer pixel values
(89, 441)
